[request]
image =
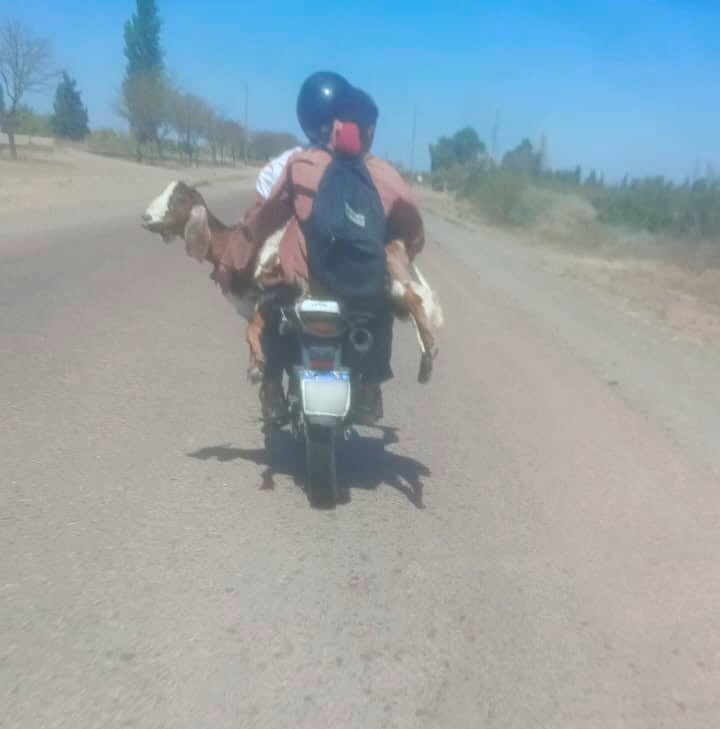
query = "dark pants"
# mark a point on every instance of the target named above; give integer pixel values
(375, 365)
(282, 352)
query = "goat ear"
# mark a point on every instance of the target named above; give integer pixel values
(197, 234)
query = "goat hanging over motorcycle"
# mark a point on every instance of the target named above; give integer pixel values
(181, 211)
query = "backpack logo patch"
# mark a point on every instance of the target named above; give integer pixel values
(354, 217)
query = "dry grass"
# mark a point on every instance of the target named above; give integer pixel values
(681, 299)
(675, 282)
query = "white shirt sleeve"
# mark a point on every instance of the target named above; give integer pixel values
(270, 174)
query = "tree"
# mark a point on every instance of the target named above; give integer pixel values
(464, 147)
(543, 158)
(24, 66)
(467, 146)
(70, 119)
(29, 122)
(266, 145)
(188, 115)
(223, 134)
(235, 135)
(144, 85)
(442, 154)
(143, 105)
(142, 40)
(211, 129)
(523, 159)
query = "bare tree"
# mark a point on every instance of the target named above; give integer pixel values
(145, 103)
(25, 65)
(269, 144)
(235, 134)
(221, 136)
(220, 133)
(188, 117)
(230, 138)
(210, 128)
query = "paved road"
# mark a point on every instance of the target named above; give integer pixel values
(532, 539)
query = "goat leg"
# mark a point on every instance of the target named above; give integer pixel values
(253, 337)
(414, 305)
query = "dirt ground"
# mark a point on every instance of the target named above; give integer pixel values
(42, 192)
(532, 538)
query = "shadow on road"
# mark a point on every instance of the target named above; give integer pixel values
(363, 463)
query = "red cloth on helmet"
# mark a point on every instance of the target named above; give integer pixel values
(347, 140)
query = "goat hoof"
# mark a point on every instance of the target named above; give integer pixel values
(426, 365)
(426, 368)
(255, 375)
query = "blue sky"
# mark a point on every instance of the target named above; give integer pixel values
(629, 85)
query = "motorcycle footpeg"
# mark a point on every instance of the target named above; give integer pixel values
(270, 426)
(277, 419)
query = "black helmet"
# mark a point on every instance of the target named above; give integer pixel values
(317, 104)
(358, 106)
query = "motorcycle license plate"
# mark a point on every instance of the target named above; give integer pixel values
(325, 392)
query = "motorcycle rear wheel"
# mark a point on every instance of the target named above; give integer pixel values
(321, 482)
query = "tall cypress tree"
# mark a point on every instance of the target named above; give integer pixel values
(142, 40)
(142, 87)
(70, 119)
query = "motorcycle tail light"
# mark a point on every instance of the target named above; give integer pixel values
(322, 327)
(321, 364)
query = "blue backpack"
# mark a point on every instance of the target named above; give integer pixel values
(345, 233)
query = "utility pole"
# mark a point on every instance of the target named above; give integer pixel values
(412, 143)
(495, 131)
(543, 153)
(247, 130)
(696, 171)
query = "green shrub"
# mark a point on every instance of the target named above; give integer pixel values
(500, 195)
(658, 206)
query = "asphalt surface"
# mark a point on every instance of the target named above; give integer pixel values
(532, 539)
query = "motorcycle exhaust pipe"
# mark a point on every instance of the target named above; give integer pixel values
(361, 340)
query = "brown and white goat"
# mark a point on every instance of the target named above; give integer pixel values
(180, 210)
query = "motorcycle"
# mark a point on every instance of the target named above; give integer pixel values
(321, 385)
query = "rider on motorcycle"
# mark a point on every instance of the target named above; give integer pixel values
(316, 108)
(334, 116)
